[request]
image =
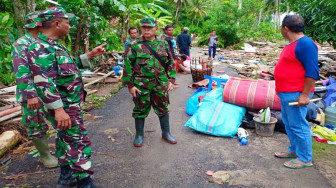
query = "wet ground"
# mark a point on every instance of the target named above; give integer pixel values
(159, 164)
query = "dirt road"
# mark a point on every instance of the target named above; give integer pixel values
(159, 164)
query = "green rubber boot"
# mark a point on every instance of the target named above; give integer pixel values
(164, 122)
(46, 158)
(139, 135)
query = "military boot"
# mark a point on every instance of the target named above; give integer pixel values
(139, 135)
(46, 158)
(85, 183)
(164, 122)
(66, 179)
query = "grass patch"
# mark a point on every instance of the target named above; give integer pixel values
(323, 150)
(93, 101)
(325, 153)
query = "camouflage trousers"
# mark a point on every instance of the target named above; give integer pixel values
(34, 120)
(157, 98)
(73, 146)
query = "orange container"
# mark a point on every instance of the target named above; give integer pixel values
(255, 94)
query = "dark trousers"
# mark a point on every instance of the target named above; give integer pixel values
(213, 49)
(185, 51)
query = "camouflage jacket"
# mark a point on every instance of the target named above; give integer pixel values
(142, 68)
(24, 82)
(57, 78)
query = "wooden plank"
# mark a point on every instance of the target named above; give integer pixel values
(12, 115)
(99, 79)
(106, 80)
(11, 100)
(91, 91)
(10, 111)
(8, 90)
(14, 120)
(101, 74)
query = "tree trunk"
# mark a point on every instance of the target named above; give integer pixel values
(277, 14)
(192, 22)
(177, 10)
(128, 25)
(30, 6)
(240, 4)
(19, 14)
(86, 32)
(80, 29)
(123, 28)
(198, 22)
(260, 15)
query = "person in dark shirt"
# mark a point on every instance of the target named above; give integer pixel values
(169, 31)
(184, 42)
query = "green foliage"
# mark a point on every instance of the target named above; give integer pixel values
(35, 153)
(232, 25)
(7, 37)
(161, 20)
(264, 32)
(100, 30)
(320, 18)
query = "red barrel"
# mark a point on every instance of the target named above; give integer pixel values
(255, 94)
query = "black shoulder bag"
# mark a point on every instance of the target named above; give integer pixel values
(163, 64)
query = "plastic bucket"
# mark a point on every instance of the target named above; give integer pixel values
(265, 129)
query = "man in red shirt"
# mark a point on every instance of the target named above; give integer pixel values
(295, 75)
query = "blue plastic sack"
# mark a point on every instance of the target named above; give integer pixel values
(214, 95)
(192, 103)
(331, 92)
(117, 70)
(217, 118)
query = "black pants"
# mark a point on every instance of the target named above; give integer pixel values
(185, 51)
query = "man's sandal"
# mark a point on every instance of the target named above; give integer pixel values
(303, 165)
(284, 154)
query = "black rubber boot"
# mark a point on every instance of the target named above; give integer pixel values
(164, 122)
(66, 179)
(86, 183)
(139, 136)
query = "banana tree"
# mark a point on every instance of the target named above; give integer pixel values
(133, 7)
(161, 20)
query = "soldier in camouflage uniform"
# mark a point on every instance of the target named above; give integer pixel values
(59, 85)
(26, 95)
(148, 81)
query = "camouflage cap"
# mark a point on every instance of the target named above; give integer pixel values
(32, 20)
(149, 22)
(54, 12)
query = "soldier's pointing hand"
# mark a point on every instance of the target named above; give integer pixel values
(97, 51)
